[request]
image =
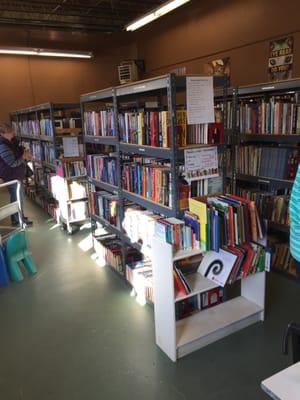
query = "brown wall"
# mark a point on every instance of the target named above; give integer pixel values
(25, 81)
(204, 30)
(196, 33)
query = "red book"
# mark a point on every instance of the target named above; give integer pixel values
(216, 133)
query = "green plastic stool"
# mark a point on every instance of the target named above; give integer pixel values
(17, 251)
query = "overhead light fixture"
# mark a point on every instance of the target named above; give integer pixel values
(57, 53)
(24, 51)
(157, 13)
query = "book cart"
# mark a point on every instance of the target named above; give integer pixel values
(42, 129)
(268, 117)
(175, 338)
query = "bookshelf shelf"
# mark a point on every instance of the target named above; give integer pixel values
(103, 185)
(181, 254)
(149, 204)
(281, 183)
(45, 138)
(30, 137)
(278, 227)
(247, 138)
(285, 273)
(108, 140)
(158, 152)
(198, 284)
(111, 228)
(209, 325)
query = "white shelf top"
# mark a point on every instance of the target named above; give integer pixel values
(284, 385)
(206, 322)
(198, 284)
(181, 254)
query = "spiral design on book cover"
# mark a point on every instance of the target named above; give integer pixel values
(215, 267)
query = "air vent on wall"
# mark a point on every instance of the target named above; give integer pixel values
(129, 69)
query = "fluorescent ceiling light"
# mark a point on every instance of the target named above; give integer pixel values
(44, 52)
(50, 53)
(23, 52)
(158, 12)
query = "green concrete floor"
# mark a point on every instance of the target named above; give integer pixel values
(73, 332)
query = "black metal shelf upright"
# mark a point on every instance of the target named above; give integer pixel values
(163, 91)
(289, 87)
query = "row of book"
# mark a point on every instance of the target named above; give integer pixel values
(282, 259)
(46, 127)
(278, 115)
(99, 123)
(186, 307)
(68, 190)
(152, 128)
(105, 205)
(272, 162)
(29, 127)
(109, 250)
(49, 153)
(274, 208)
(152, 181)
(139, 275)
(212, 224)
(102, 168)
(71, 169)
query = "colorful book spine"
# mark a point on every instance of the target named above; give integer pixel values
(104, 205)
(151, 181)
(273, 116)
(102, 168)
(272, 162)
(99, 123)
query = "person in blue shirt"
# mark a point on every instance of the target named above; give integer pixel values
(295, 221)
(12, 164)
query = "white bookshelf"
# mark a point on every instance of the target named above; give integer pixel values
(179, 338)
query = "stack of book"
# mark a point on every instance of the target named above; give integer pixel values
(152, 128)
(273, 208)
(149, 128)
(274, 116)
(139, 275)
(152, 181)
(46, 127)
(71, 169)
(202, 301)
(139, 225)
(104, 205)
(99, 123)
(36, 150)
(102, 168)
(29, 127)
(109, 251)
(282, 259)
(49, 153)
(272, 162)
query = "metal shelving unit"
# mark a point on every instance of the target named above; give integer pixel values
(289, 87)
(163, 90)
(50, 110)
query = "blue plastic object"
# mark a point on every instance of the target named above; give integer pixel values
(17, 251)
(3, 269)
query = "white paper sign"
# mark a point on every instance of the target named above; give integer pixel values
(71, 148)
(201, 163)
(200, 99)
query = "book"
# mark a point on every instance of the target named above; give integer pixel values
(99, 123)
(102, 168)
